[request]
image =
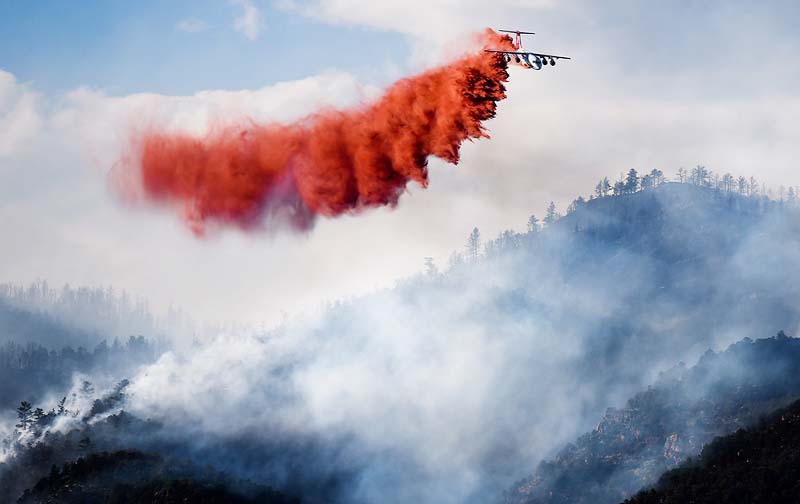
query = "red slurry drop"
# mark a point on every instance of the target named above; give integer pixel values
(329, 163)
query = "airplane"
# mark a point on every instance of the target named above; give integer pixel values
(528, 59)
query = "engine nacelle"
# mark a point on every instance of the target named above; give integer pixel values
(536, 64)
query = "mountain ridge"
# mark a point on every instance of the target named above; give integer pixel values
(451, 386)
(670, 421)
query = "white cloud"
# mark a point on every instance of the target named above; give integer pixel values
(436, 28)
(426, 19)
(69, 227)
(192, 25)
(19, 115)
(249, 22)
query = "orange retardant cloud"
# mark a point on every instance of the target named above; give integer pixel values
(329, 163)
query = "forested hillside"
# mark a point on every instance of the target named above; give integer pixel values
(558, 323)
(49, 336)
(672, 420)
(130, 477)
(454, 384)
(758, 465)
(30, 372)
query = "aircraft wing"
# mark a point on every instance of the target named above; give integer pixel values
(528, 53)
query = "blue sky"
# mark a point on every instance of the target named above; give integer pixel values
(128, 47)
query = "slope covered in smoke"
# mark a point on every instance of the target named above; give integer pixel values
(758, 465)
(48, 335)
(88, 448)
(31, 372)
(658, 429)
(629, 449)
(449, 387)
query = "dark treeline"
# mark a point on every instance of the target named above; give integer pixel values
(30, 371)
(131, 477)
(37, 445)
(32, 356)
(758, 465)
(633, 181)
(49, 335)
(89, 449)
(76, 315)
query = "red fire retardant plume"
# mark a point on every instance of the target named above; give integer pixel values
(329, 163)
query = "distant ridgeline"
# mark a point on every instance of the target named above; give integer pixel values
(633, 182)
(658, 429)
(30, 372)
(47, 335)
(636, 282)
(651, 271)
(79, 316)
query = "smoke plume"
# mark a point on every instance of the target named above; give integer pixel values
(329, 163)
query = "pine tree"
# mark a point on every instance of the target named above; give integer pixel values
(646, 182)
(62, 410)
(474, 245)
(753, 189)
(602, 188)
(24, 415)
(656, 177)
(742, 185)
(576, 204)
(606, 186)
(700, 176)
(551, 216)
(430, 267)
(728, 182)
(631, 181)
(533, 224)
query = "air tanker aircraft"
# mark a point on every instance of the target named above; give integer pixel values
(528, 59)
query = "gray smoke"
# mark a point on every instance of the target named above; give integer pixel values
(447, 388)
